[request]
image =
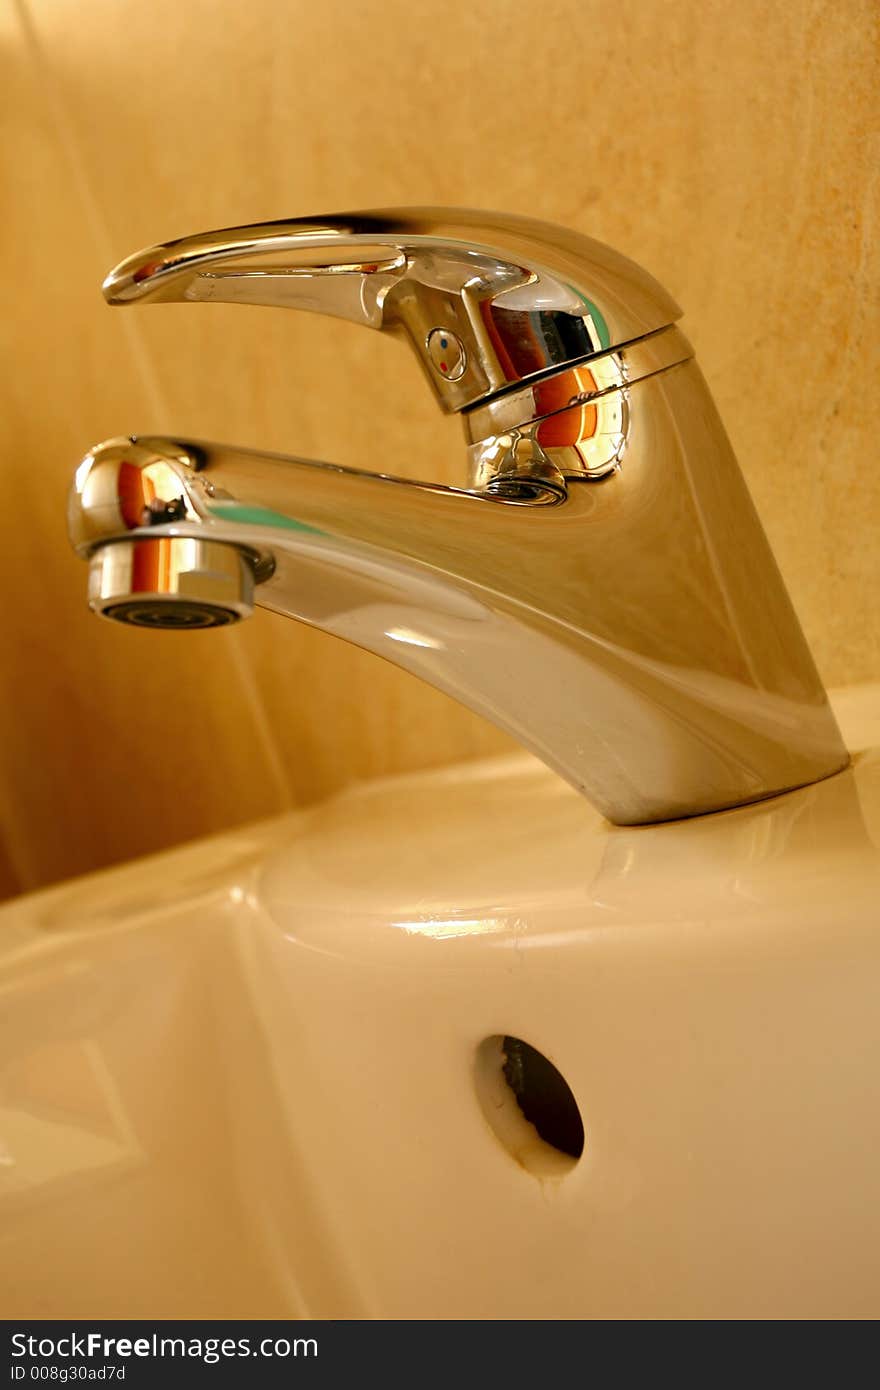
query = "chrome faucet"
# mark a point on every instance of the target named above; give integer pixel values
(600, 586)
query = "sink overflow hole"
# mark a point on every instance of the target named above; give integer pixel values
(530, 1105)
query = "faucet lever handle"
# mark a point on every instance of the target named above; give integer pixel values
(487, 300)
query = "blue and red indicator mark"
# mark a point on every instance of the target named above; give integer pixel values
(446, 353)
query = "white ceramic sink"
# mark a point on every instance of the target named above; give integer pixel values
(250, 1077)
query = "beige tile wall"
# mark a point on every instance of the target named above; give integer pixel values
(731, 148)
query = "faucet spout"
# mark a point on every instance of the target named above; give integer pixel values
(632, 631)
